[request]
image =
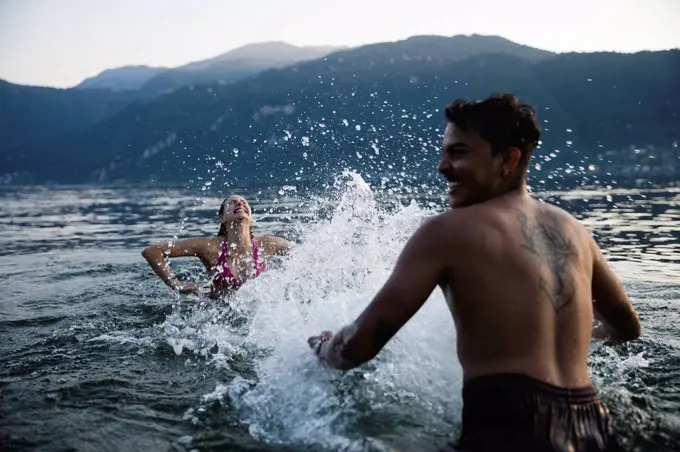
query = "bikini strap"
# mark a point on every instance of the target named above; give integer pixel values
(256, 254)
(259, 266)
(224, 253)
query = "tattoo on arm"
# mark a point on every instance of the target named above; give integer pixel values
(548, 241)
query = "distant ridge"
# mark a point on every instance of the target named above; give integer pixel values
(376, 108)
(226, 67)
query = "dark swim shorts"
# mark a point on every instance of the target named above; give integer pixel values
(512, 412)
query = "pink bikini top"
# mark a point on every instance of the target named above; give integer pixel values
(224, 280)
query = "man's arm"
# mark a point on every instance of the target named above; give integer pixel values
(610, 302)
(416, 274)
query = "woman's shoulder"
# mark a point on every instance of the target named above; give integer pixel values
(272, 244)
(204, 246)
(200, 241)
(192, 246)
(267, 239)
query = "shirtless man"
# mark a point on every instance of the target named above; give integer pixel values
(523, 281)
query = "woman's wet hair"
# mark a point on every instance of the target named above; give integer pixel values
(223, 230)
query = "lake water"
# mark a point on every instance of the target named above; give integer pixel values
(97, 354)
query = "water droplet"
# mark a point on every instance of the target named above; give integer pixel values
(305, 141)
(537, 166)
(358, 127)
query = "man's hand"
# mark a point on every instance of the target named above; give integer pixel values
(600, 331)
(315, 342)
(190, 288)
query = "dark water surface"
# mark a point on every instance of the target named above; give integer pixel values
(96, 354)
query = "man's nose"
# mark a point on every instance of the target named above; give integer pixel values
(443, 165)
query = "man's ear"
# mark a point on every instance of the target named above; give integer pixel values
(511, 161)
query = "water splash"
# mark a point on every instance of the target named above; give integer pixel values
(327, 281)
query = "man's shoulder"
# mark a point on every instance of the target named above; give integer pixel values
(439, 220)
(446, 226)
(563, 220)
(460, 217)
(472, 220)
(558, 213)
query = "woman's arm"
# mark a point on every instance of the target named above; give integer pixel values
(155, 255)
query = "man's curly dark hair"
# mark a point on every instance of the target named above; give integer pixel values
(502, 120)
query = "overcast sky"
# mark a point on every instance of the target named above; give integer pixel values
(61, 42)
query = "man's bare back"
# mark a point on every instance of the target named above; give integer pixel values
(523, 280)
(518, 285)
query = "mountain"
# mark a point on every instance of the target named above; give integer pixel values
(235, 65)
(224, 68)
(419, 49)
(275, 52)
(121, 79)
(377, 109)
(31, 114)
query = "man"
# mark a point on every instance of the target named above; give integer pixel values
(522, 279)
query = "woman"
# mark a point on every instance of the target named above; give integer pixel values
(233, 256)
